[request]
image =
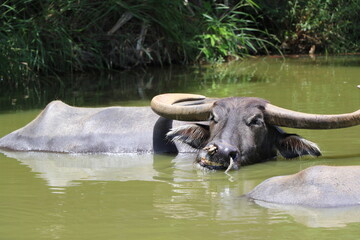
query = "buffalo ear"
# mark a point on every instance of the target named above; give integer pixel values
(292, 146)
(194, 135)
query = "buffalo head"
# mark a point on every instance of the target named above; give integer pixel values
(242, 130)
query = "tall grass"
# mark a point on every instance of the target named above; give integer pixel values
(231, 32)
(51, 37)
(47, 38)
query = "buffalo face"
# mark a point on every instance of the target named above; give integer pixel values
(237, 134)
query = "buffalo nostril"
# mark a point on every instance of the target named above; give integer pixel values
(230, 152)
(234, 155)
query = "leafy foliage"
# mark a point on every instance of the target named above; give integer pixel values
(228, 32)
(50, 37)
(331, 25)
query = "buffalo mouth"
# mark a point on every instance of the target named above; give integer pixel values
(223, 164)
(206, 163)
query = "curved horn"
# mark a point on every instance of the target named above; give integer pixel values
(287, 118)
(163, 106)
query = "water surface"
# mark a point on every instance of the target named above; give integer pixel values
(145, 196)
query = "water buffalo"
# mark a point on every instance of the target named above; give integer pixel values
(232, 131)
(318, 187)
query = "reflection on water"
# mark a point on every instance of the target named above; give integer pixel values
(255, 77)
(60, 196)
(188, 186)
(317, 217)
(63, 170)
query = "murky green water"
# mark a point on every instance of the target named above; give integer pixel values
(58, 196)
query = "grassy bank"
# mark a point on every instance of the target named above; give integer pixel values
(50, 37)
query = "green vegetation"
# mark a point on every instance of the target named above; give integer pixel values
(53, 37)
(229, 32)
(333, 26)
(50, 37)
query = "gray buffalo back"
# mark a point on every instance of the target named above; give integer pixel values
(318, 186)
(61, 128)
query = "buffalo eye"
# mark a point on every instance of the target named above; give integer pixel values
(256, 121)
(213, 118)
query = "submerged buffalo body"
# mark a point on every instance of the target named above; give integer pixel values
(318, 186)
(65, 129)
(229, 132)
